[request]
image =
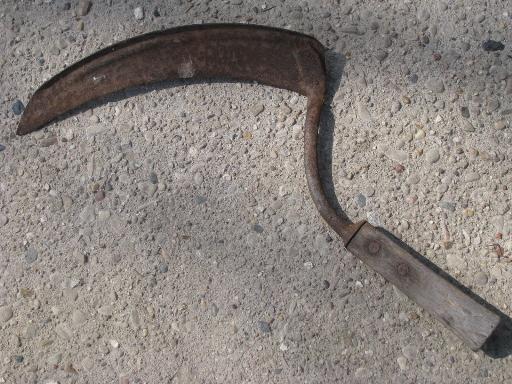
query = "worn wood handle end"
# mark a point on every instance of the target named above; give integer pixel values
(469, 320)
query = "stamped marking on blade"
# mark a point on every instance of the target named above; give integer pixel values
(186, 70)
(98, 79)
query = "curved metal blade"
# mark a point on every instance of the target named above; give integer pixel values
(270, 56)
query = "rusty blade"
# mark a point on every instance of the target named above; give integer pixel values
(274, 57)
(270, 56)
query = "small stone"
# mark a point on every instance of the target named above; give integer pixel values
(432, 156)
(481, 278)
(63, 331)
(134, 318)
(492, 46)
(399, 168)
(153, 178)
(410, 352)
(200, 200)
(508, 88)
(114, 344)
(257, 228)
(297, 132)
(381, 55)
(447, 205)
(56, 310)
(402, 362)
(18, 359)
(83, 7)
(87, 214)
(501, 74)
(464, 46)
(442, 188)
(374, 218)
(479, 18)
(163, 268)
(257, 109)
(264, 327)
(420, 134)
(198, 178)
(397, 155)
(423, 15)
(396, 106)
(492, 105)
(99, 196)
(31, 255)
(387, 41)
(48, 141)
(500, 124)
(360, 200)
(55, 359)
(148, 188)
(2, 147)
(69, 293)
(369, 191)
(78, 317)
(283, 190)
(3, 220)
(54, 50)
(5, 314)
(413, 78)
(95, 129)
(105, 310)
(435, 85)
(18, 107)
(103, 215)
(138, 13)
(455, 262)
(468, 212)
(67, 202)
(26, 292)
(362, 373)
(467, 126)
(464, 111)
(472, 176)
(352, 29)
(363, 113)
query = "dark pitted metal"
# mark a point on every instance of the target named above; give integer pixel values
(270, 56)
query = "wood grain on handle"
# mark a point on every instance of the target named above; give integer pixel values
(469, 320)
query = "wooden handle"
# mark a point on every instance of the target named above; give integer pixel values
(469, 320)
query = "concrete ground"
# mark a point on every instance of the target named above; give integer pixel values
(168, 236)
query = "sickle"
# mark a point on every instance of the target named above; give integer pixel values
(281, 59)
